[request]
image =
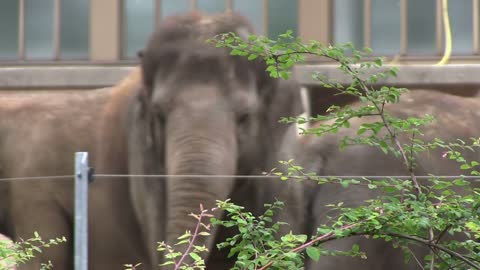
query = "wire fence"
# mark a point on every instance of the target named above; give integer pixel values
(83, 175)
(219, 177)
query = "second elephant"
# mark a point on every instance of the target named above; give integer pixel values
(455, 117)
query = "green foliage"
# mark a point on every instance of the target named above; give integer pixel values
(17, 253)
(256, 245)
(407, 211)
(191, 257)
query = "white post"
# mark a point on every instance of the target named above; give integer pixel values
(81, 211)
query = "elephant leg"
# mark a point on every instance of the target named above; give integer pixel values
(114, 234)
(35, 207)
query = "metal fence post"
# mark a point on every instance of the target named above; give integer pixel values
(81, 211)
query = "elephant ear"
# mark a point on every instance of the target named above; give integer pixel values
(282, 98)
(145, 157)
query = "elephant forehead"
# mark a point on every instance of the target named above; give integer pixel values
(199, 95)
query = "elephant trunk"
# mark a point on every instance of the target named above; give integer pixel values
(199, 141)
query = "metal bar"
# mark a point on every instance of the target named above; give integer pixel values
(194, 5)
(56, 28)
(133, 176)
(265, 17)
(367, 23)
(69, 177)
(440, 44)
(81, 211)
(476, 27)
(121, 25)
(39, 178)
(403, 27)
(158, 13)
(21, 29)
(228, 5)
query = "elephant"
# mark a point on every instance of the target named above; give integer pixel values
(202, 111)
(455, 117)
(189, 109)
(39, 134)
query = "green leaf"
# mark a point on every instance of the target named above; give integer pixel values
(465, 167)
(195, 257)
(313, 253)
(252, 57)
(383, 145)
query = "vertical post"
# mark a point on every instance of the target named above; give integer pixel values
(314, 20)
(265, 17)
(439, 38)
(193, 5)
(367, 23)
(228, 5)
(81, 211)
(106, 31)
(21, 29)
(56, 28)
(157, 13)
(476, 27)
(403, 27)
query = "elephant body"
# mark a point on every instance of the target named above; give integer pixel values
(455, 117)
(212, 114)
(192, 109)
(39, 134)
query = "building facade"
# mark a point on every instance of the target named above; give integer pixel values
(102, 36)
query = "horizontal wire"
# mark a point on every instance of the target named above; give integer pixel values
(56, 177)
(275, 176)
(70, 177)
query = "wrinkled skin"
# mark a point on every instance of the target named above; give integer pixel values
(39, 134)
(211, 115)
(203, 111)
(456, 117)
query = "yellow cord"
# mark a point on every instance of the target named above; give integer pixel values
(448, 34)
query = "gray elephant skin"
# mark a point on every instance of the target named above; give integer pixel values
(217, 114)
(196, 110)
(39, 133)
(456, 117)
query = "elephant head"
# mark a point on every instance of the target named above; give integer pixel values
(455, 118)
(201, 112)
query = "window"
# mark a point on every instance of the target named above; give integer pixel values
(38, 29)
(138, 21)
(139, 17)
(9, 29)
(211, 6)
(348, 25)
(282, 16)
(385, 26)
(251, 9)
(74, 30)
(39, 35)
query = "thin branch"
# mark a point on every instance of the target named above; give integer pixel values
(415, 257)
(431, 239)
(194, 237)
(439, 247)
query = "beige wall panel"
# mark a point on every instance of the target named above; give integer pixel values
(314, 20)
(105, 25)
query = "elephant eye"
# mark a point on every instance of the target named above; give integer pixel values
(243, 118)
(160, 118)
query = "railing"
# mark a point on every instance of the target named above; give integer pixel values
(56, 29)
(439, 27)
(307, 28)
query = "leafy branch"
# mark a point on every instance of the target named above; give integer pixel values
(412, 209)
